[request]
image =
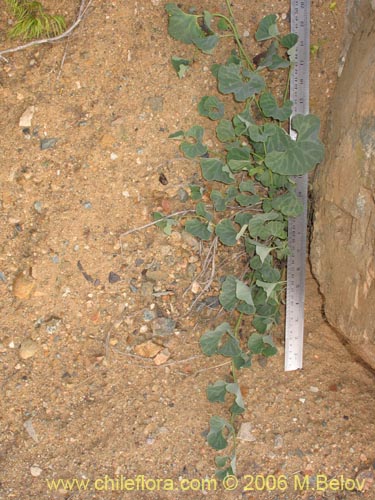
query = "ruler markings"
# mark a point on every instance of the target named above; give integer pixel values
(297, 226)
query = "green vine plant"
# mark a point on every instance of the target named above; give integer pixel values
(252, 192)
(31, 20)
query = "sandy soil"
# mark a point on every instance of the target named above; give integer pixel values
(79, 298)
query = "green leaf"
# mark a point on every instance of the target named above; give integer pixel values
(238, 158)
(215, 437)
(225, 131)
(181, 66)
(277, 229)
(255, 343)
(218, 200)
(196, 192)
(202, 212)
(269, 288)
(270, 108)
(181, 26)
(226, 232)
(272, 60)
(227, 297)
(234, 388)
(262, 133)
(243, 292)
(216, 392)
(222, 25)
(246, 200)
(180, 134)
(215, 170)
(210, 340)
(267, 28)
(257, 224)
(243, 360)
(300, 156)
(262, 324)
(230, 348)
(288, 204)
(212, 107)
(270, 274)
(207, 43)
(165, 224)
(262, 251)
(221, 461)
(231, 80)
(247, 186)
(289, 41)
(199, 229)
(197, 149)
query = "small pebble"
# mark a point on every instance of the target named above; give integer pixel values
(314, 389)
(148, 315)
(28, 349)
(183, 195)
(278, 441)
(38, 207)
(113, 277)
(2, 277)
(87, 204)
(48, 143)
(35, 471)
(114, 156)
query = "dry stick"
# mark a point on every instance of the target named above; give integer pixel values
(182, 212)
(81, 14)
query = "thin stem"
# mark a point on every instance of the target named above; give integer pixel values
(233, 27)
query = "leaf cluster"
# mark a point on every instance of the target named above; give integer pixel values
(249, 181)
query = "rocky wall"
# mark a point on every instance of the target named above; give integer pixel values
(343, 243)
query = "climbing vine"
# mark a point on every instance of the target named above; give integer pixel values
(251, 190)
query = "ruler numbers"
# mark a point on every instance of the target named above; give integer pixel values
(297, 226)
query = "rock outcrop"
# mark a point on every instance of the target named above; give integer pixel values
(343, 244)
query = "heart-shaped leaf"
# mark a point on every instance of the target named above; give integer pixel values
(231, 80)
(297, 157)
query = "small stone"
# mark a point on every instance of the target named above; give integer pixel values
(147, 289)
(3, 277)
(38, 207)
(149, 315)
(156, 103)
(28, 425)
(190, 240)
(22, 287)
(147, 349)
(28, 349)
(195, 287)
(156, 275)
(183, 195)
(35, 471)
(302, 400)
(162, 357)
(163, 326)
(113, 277)
(114, 156)
(278, 441)
(245, 434)
(48, 143)
(314, 389)
(87, 205)
(27, 116)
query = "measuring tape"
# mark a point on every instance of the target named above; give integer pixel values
(297, 226)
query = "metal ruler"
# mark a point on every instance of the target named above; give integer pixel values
(297, 226)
